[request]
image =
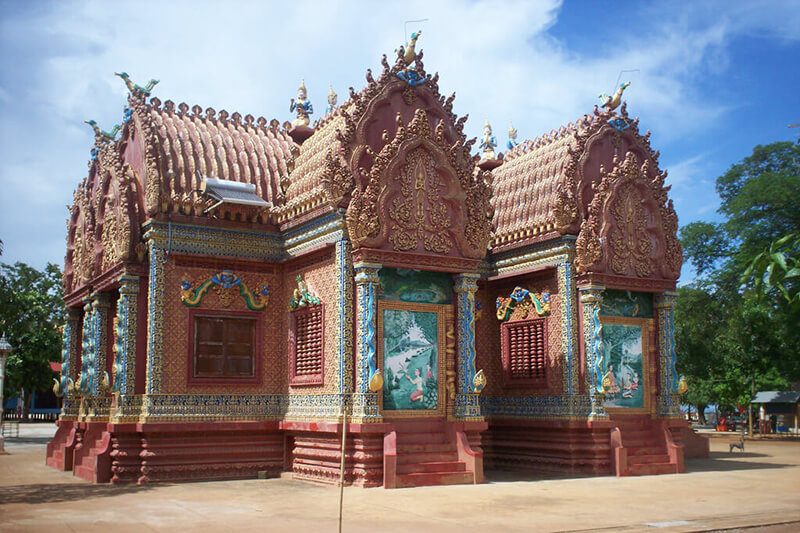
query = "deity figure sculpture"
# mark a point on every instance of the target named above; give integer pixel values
(302, 106)
(613, 102)
(512, 137)
(409, 57)
(332, 99)
(488, 144)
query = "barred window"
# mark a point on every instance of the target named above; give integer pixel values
(524, 352)
(224, 347)
(306, 345)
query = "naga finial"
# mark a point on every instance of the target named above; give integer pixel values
(302, 106)
(613, 102)
(134, 88)
(512, 136)
(101, 135)
(332, 99)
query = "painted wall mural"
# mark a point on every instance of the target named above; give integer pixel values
(627, 303)
(410, 360)
(624, 365)
(418, 286)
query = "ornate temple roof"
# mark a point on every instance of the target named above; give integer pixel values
(193, 143)
(533, 176)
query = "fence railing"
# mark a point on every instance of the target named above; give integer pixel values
(48, 415)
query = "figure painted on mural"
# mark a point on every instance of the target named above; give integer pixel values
(610, 381)
(302, 106)
(488, 144)
(419, 384)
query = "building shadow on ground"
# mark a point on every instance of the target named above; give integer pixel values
(54, 493)
(725, 461)
(507, 476)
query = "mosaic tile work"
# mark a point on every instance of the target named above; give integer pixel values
(344, 296)
(322, 280)
(125, 336)
(668, 400)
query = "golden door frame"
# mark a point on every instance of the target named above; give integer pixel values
(441, 344)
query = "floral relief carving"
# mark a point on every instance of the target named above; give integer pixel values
(630, 242)
(630, 211)
(419, 212)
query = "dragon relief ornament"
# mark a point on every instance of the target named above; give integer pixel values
(224, 283)
(302, 295)
(522, 304)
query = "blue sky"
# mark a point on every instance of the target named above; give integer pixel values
(714, 78)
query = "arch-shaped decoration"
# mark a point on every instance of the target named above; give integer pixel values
(631, 215)
(422, 195)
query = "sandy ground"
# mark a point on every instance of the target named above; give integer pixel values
(754, 491)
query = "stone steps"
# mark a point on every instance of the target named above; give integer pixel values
(423, 479)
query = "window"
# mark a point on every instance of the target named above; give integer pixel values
(524, 352)
(306, 345)
(224, 347)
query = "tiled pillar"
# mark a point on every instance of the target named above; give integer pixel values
(69, 350)
(668, 400)
(95, 345)
(155, 318)
(344, 269)
(125, 333)
(467, 400)
(365, 402)
(591, 300)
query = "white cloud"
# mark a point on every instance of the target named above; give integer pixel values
(249, 56)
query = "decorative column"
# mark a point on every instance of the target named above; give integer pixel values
(95, 344)
(125, 335)
(69, 362)
(592, 299)
(344, 269)
(86, 376)
(5, 350)
(467, 400)
(365, 400)
(155, 318)
(668, 400)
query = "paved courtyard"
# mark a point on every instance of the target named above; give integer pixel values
(754, 491)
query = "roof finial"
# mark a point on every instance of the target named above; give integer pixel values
(133, 88)
(302, 106)
(489, 159)
(512, 136)
(101, 135)
(332, 99)
(612, 102)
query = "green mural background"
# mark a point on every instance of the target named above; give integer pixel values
(415, 286)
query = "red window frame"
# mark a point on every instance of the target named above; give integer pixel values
(524, 354)
(255, 378)
(304, 349)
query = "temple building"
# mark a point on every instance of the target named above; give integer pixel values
(239, 291)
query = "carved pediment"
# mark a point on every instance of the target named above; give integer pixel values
(631, 227)
(422, 196)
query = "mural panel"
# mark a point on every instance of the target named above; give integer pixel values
(624, 365)
(411, 353)
(627, 303)
(418, 286)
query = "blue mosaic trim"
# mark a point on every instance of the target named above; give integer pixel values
(189, 239)
(465, 287)
(155, 318)
(345, 316)
(66, 356)
(569, 325)
(367, 281)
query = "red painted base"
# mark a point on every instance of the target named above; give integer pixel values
(60, 450)
(142, 453)
(548, 446)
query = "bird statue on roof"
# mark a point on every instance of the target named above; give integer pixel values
(613, 102)
(512, 137)
(410, 53)
(134, 88)
(103, 135)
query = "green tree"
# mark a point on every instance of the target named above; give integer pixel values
(736, 324)
(31, 313)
